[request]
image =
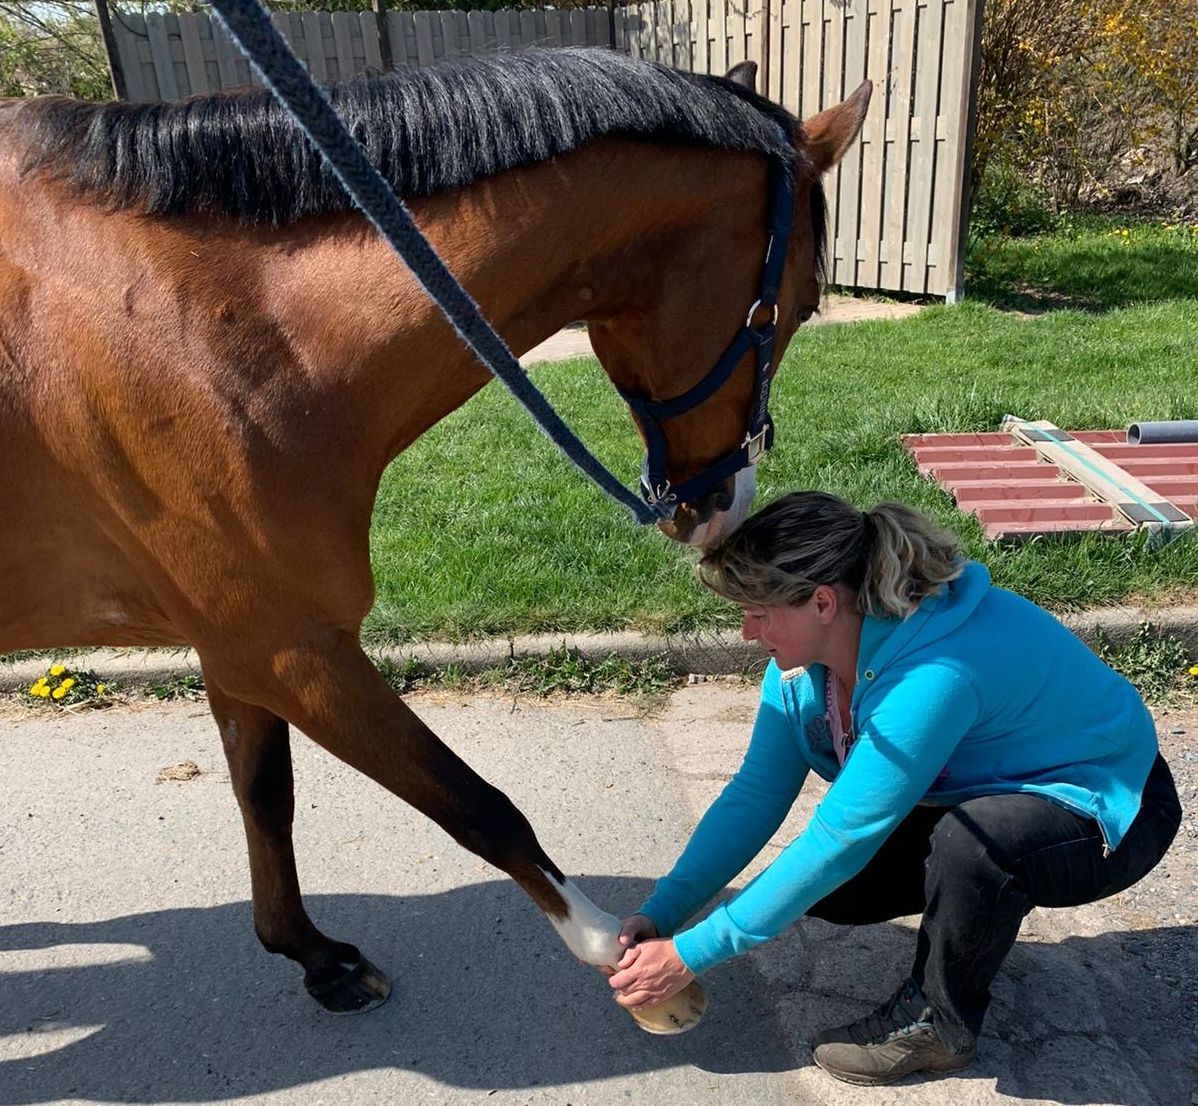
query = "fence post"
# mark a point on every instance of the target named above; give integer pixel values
(380, 18)
(962, 174)
(119, 88)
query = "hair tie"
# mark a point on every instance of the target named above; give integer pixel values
(869, 533)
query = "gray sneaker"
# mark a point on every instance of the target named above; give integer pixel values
(895, 1040)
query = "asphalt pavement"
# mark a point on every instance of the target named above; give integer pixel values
(129, 972)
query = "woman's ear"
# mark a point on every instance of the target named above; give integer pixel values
(827, 603)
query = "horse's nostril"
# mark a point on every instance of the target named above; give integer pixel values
(721, 498)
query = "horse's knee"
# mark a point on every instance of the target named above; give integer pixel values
(492, 826)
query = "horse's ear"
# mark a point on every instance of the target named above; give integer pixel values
(744, 74)
(830, 133)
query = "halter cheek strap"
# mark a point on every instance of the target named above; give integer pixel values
(656, 488)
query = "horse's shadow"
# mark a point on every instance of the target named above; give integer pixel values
(483, 998)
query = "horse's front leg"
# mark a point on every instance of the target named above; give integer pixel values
(258, 750)
(330, 690)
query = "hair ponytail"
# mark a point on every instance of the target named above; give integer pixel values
(909, 558)
(891, 556)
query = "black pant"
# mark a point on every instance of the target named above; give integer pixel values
(975, 870)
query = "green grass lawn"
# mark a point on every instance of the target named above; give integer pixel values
(482, 528)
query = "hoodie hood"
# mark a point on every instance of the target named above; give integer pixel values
(886, 640)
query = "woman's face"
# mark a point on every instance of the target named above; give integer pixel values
(792, 634)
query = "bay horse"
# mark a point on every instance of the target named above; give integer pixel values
(207, 359)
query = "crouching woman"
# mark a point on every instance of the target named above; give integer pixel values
(982, 760)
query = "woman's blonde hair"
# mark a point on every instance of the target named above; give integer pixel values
(891, 555)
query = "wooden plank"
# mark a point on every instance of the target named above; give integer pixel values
(596, 33)
(1132, 498)
(208, 49)
(126, 28)
(144, 62)
(701, 17)
(313, 37)
(423, 22)
(343, 44)
(476, 29)
(759, 49)
(922, 186)
(553, 29)
(848, 230)
(160, 50)
(226, 56)
(719, 36)
(873, 148)
(811, 65)
(528, 28)
(831, 93)
(505, 33)
(193, 53)
(620, 18)
(578, 28)
(894, 223)
(792, 53)
(686, 35)
(774, 87)
(372, 42)
(961, 151)
(449, 33)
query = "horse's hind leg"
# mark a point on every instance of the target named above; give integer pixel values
(258, 750)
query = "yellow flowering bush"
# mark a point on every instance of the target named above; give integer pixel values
(64, 688)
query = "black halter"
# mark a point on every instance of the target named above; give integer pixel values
(656, 488)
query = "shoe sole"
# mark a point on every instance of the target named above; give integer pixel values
(858, 1080)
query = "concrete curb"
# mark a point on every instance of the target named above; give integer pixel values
(713, 653)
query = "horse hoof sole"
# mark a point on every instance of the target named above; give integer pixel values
(361, 988)
(676, 1015)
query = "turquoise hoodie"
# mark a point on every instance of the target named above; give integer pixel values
(977, 692)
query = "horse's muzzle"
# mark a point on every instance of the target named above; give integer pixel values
(719, 512)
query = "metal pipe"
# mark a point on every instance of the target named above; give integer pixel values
(1162, 433)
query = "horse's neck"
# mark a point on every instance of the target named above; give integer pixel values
(537, 248)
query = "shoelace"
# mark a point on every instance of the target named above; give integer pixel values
(898, 1016)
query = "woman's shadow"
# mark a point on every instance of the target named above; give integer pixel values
(484, 997)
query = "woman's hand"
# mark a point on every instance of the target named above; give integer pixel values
(640, 927)
(649, 973)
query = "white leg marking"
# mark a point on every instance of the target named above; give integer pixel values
(589, 933)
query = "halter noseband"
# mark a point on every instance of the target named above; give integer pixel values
(656, 488)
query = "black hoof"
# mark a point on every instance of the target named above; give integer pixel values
(361, 988)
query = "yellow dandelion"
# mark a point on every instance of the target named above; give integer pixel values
(44, 691)
(59, 692)
(101, 688)
(68, 683)
(58, 670)
(1194, 670)
(41, 682)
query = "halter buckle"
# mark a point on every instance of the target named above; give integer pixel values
(754, 445)
(753, 311)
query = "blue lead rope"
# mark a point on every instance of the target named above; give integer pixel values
(248, 22)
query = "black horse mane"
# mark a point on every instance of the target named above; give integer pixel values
(240, 154)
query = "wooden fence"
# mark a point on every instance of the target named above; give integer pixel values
(897, 203)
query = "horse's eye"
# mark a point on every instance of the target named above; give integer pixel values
(805, 313)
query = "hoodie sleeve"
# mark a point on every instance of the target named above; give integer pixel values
(915, 721)
(741, 820)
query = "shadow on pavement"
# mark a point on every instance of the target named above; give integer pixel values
(484, 997)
